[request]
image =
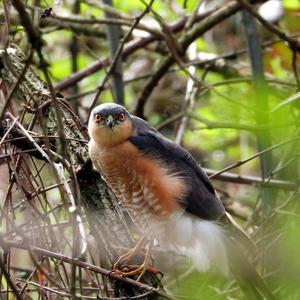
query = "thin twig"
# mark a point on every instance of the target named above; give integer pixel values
(196, 31)
(118, 53)
(246, 179)
(293, 43)
(241, 162)
(128, 50)
(84, 265)
(59, 171)
(189, 101)
(8, 280)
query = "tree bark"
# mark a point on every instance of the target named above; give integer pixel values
(107, 219)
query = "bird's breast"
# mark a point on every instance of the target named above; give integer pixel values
(146, 187)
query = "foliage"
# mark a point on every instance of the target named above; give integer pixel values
(231, 117)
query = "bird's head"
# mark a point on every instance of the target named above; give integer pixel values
(110, 124)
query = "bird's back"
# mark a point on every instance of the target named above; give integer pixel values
(200, 198)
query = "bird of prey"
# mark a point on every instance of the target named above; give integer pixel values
(166, 193)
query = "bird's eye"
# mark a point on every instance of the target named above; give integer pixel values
(98, 118)
(121, 117)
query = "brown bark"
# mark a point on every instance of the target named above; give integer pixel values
(108, 221)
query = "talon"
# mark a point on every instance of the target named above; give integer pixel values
(135, 269)
(125, 258)
(116, 272)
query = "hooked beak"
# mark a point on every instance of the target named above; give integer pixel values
(110, 122)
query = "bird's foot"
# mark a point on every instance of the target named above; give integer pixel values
(125, 259)
(131, 270)
(125, 268)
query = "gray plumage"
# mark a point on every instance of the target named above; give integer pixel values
(199, 226)
(201, 199)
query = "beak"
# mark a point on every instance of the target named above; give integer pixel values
(110, 122)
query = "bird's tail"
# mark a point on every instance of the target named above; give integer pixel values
(247, 278)
(220, 244)
(245, 274)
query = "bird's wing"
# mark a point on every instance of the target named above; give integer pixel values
(201, 198)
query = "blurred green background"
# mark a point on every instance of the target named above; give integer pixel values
(227, 115)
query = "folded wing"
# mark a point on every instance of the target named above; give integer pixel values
(201, 199)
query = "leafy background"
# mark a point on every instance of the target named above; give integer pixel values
(221, 129)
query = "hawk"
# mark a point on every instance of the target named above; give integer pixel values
(165, 191)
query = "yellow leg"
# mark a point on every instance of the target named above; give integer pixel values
(145, 264)
(131, 253)
(136, 269)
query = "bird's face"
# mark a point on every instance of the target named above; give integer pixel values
(110, 124)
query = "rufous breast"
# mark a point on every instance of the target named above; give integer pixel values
(144, 185)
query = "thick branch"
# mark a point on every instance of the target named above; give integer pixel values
(196, 31)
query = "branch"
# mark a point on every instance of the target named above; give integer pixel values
(214, 18)
(241, 162)
(114, 39)
(128, 50)
(61, 257)
(246, 179)
(106, 218)
(209, 124)
(294, 44)
(55, 23)
(73, 19)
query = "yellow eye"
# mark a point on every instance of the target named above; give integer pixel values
(98, 118)
(121, 117)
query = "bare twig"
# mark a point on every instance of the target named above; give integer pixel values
(293, 43)
(128, 50)
(86, 266)
(114, 39)
(8, 279)
(213, 19)
(246, 179)
(108, 21)
(119, 52)
(241, 162)
(63, 179)
(189, 101)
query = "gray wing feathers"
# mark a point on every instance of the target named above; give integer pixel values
(201, 199)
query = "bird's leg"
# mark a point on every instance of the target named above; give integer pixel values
(144, 267)
(137, 269)
(141, 269)
(127, 256)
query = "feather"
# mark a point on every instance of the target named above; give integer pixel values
(201, 241)
(238, 233)
(246, 276)
(238, 244)
(201, 198)
(197, 224)
(210, 244)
